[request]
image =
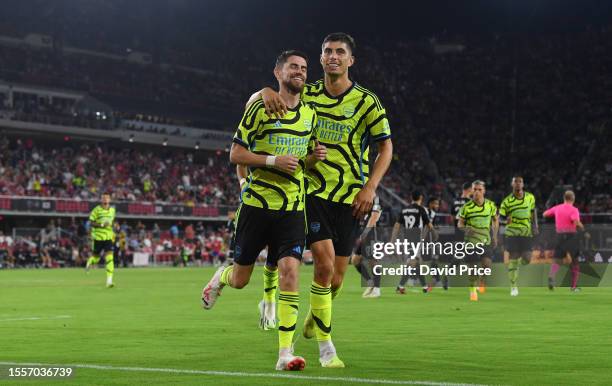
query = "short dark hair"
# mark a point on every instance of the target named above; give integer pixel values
(282, 58)
(466, 185)
(341, 37)
(432, 199)
(416, 195)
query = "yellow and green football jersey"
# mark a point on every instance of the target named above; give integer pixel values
(294, 134)
(346, 124)
(101, 216)
(479, 218)
(520, 211)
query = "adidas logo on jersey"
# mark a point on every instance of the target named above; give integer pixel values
(278, 124)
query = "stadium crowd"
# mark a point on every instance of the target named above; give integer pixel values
(84, 171)
(65, 243)
(461, 108)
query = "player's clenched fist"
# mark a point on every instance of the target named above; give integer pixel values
(319, 151)
(288, 163)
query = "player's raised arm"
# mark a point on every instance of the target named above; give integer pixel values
(273, 103)
(240, 152)
(549, 212)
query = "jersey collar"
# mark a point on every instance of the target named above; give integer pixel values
(330, 96)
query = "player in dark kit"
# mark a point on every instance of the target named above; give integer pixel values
(417, 226)
(433, 205)
(360, 257)
(466, 195)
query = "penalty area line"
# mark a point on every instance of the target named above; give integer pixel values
(284, 375)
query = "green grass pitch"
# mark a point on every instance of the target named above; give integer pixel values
(153, 320)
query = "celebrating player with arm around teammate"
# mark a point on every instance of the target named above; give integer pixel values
(479, 221)
(518, 210)
(101, 220)
(272, 201)
(341, 189)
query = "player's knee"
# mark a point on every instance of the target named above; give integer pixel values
(324, 272)
(356, 260)
(288, 276)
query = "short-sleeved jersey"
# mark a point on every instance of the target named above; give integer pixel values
(346, 124)
(294, 134)
(103, 216)
(479, 218)
(432, 215)
(520, 211)
(565, 216)
(456, 207)
(413, 216)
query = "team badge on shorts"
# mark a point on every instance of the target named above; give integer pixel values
(237, 251)
(315, 227)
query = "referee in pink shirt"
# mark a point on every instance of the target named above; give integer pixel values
(567, 221)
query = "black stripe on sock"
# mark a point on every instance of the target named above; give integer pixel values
(283, 328)
(322, 291)
(321, 325)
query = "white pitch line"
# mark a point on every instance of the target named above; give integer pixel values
(242, 374)
(37, 318)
